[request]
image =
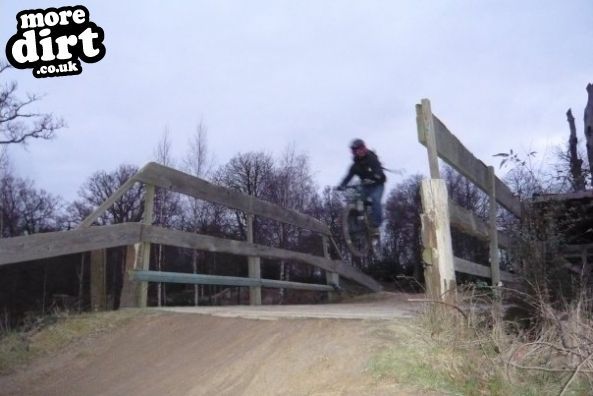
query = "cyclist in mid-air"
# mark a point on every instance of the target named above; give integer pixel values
(367, 167)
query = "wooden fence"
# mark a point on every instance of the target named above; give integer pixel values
(440, 212)
(138, 237)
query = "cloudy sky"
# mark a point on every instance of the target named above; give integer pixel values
(260, 75)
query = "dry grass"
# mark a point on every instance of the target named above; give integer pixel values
(47, 334)
(479, 353)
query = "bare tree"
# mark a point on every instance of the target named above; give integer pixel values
(100, 186)
(167, 207)
(250, 173)
(575, 163)
(18, 124)
(198, 160)
(199, 214)
(402, 240)
(589, 127)
(25, 209)
(291, 187)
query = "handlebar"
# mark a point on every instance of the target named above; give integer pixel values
(356, 186)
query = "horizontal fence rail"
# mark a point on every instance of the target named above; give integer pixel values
(469, 267)
(177, 181)
(59, 243)
(177, 277)
(454, 153)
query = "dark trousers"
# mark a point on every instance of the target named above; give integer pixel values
(375, 192)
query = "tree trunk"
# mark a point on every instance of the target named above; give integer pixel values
(159, 285)
(81, 282)
(589, 127)
(195, 271)
(576, 170)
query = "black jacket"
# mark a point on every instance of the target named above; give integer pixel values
(366, 168)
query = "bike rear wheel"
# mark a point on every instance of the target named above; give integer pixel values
(356, 233)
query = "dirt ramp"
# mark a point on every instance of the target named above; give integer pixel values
(180, 354)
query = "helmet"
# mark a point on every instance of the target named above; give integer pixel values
(356, 143)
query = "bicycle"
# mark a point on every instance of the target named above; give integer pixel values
(356, 224)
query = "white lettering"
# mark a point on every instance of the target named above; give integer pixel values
(31, 20)
(72, 66)
(79, 16)
(87, 37)
(51, 18)
(64, 15)
(63, 42)
(26, 45)
(48, 52)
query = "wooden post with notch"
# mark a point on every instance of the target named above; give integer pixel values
(331, 278)
(254, 264)
(425, 124)
(98, 280)
(493, 231)
(142, 250)
(130, 291)
(437, 254)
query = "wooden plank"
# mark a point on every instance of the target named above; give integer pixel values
(454, 153)
(577, 249)
(493, 229)
(345, 270)
(254, 266)
(175, 180)
(469, 223)
(178, 277)
(469, 267)
(331, 278)
(98, 277)
(426, 129)
(563, 197)
(105, 205)
(436, 239)
(188, 240)
(59, 243)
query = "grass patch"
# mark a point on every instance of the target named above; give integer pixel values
(53, 332)
(447, 355)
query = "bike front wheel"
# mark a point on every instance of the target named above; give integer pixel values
(356, 234)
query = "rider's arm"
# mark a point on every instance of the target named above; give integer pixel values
(348, 177)
(377, 168)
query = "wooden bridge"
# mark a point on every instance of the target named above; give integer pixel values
(137, 237)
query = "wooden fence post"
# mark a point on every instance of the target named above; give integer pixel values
(130, 291)
(493, 231)
(331, 278)
(143, 250)
(98, 277)
(254, 266)
(439, 272)
(426, 127)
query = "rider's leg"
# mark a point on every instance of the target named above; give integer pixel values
(375, 192)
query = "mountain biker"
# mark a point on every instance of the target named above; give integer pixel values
(367, 167)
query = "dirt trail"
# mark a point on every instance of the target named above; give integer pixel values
(168, 353)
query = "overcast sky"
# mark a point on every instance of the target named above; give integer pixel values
(500, 74)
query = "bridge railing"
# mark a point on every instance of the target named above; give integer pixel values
(139, 236)
(440, 212)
